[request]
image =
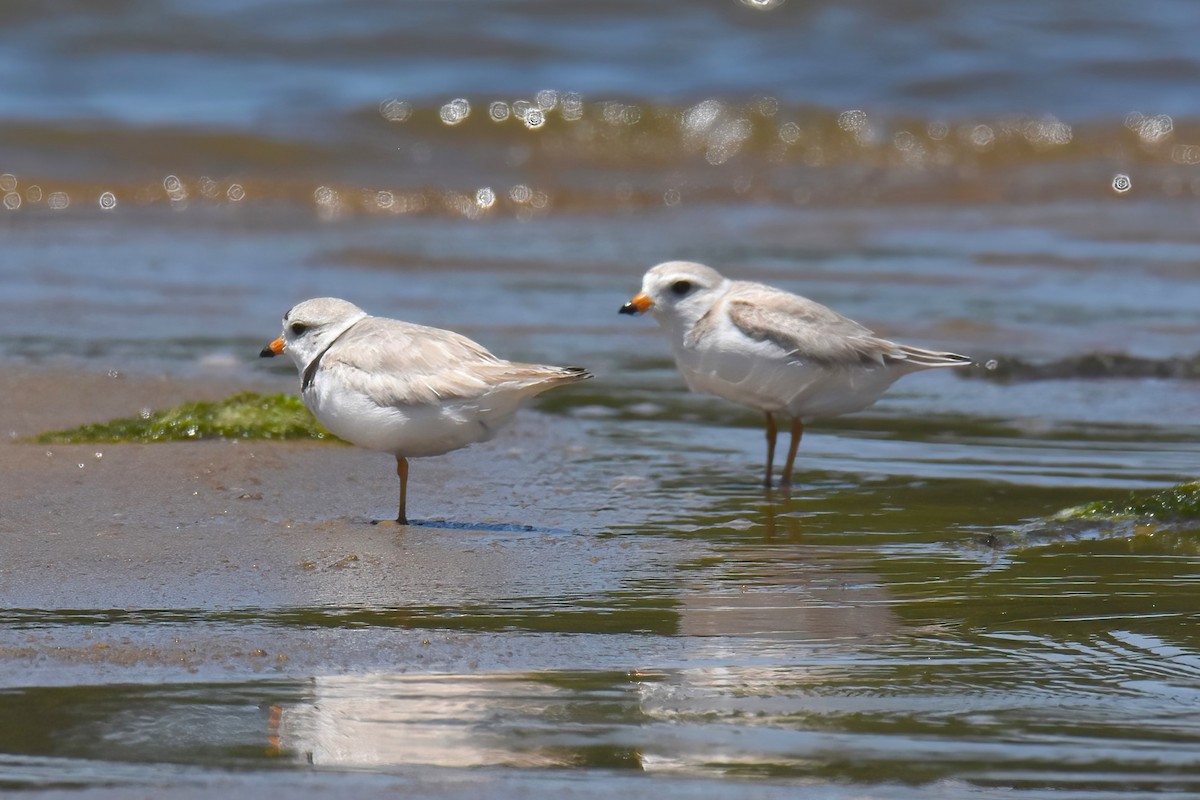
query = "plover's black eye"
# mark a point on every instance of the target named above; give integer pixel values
(298, 328)
(680, 288)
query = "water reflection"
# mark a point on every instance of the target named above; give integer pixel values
(751, 605)
(392, 719)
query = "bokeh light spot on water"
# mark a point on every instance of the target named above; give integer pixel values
(499, 111)
(726, 140)
(671, 197)
(329, 202)
(547, 99)
(465, 205)
(789, 132)
(1150, 130)
(1121, 183)
(58, 200)
(911, 149)
(209, 188)
(766, 106)
(856, 123)
(852, 121)
(991, 364)
(615, 113)
(12, 201)
(235, 192)
(395, 110)
(702, 116)
(1157, 128)
(571, 107)
(34, 194)
(535, 118)
(385, 199)
(455, 111)
(982, 137)
(937, 130)
(485, 197)
(762, 5)
(1185, 154)
(176, 192)
(108, 201)
(1047, 132)
(520, 193)
(8, 182)
(709, 125)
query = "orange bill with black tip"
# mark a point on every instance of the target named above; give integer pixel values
(273, 349)
(638, 304)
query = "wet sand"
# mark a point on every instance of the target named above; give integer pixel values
(251, 524)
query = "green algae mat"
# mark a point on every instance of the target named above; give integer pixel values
(246, 415)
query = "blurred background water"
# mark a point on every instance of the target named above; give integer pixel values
(1016, 181)
(1035, 163)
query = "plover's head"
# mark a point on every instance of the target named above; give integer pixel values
(677, 292)
(311, 326)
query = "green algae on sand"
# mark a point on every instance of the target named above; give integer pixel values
(1178, 502)
(246, 415)
(1173, 513)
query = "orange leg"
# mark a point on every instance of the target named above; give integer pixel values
(797, 432)
(772, 432)
(402, 471)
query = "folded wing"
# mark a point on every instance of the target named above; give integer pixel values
(405, 364)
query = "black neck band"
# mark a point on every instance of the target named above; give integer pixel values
(310, 371)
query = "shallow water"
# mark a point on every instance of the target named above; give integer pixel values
(604, 592)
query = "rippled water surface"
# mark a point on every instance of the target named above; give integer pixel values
(606, 593)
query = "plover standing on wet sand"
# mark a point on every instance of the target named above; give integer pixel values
(400, 388)
(768, 349)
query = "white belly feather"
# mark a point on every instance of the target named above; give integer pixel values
(411, 431)
(759, 375)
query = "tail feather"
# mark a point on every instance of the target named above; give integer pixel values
(559, 376)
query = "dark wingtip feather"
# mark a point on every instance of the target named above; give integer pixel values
(932, 358)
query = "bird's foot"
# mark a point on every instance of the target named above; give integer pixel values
(398, 523)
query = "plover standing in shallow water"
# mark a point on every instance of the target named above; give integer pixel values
(772, 350)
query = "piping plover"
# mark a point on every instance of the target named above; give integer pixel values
(405, 389)
(772, 350)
